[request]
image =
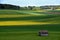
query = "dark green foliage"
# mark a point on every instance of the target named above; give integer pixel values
(8, 6)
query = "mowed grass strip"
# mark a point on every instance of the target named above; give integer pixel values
(10, 16)
(24, 15)
(4, 23)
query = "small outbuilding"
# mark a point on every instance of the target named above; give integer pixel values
(43, 33)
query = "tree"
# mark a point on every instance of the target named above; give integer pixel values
(30, 7)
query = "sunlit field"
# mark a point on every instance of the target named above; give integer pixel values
(25, 24)
(8, 23)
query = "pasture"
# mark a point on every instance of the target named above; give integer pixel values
(25, 25)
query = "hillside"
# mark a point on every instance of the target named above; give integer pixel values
(25, 24)
(29, 18)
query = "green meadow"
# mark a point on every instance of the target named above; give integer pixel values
(25, 24)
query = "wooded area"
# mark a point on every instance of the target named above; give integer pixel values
(14, 7)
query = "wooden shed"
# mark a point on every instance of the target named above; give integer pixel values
(43, 33)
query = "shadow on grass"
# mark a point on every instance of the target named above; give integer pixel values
(27, 18)
(50, 27)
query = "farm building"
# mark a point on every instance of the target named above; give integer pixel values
(43, 33)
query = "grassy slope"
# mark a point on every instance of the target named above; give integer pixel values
(15, 15)
(29, 32)
(29, 36)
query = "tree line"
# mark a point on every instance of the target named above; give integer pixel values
(14, 7)
(8, 6)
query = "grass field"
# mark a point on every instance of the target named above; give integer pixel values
(25, 25)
